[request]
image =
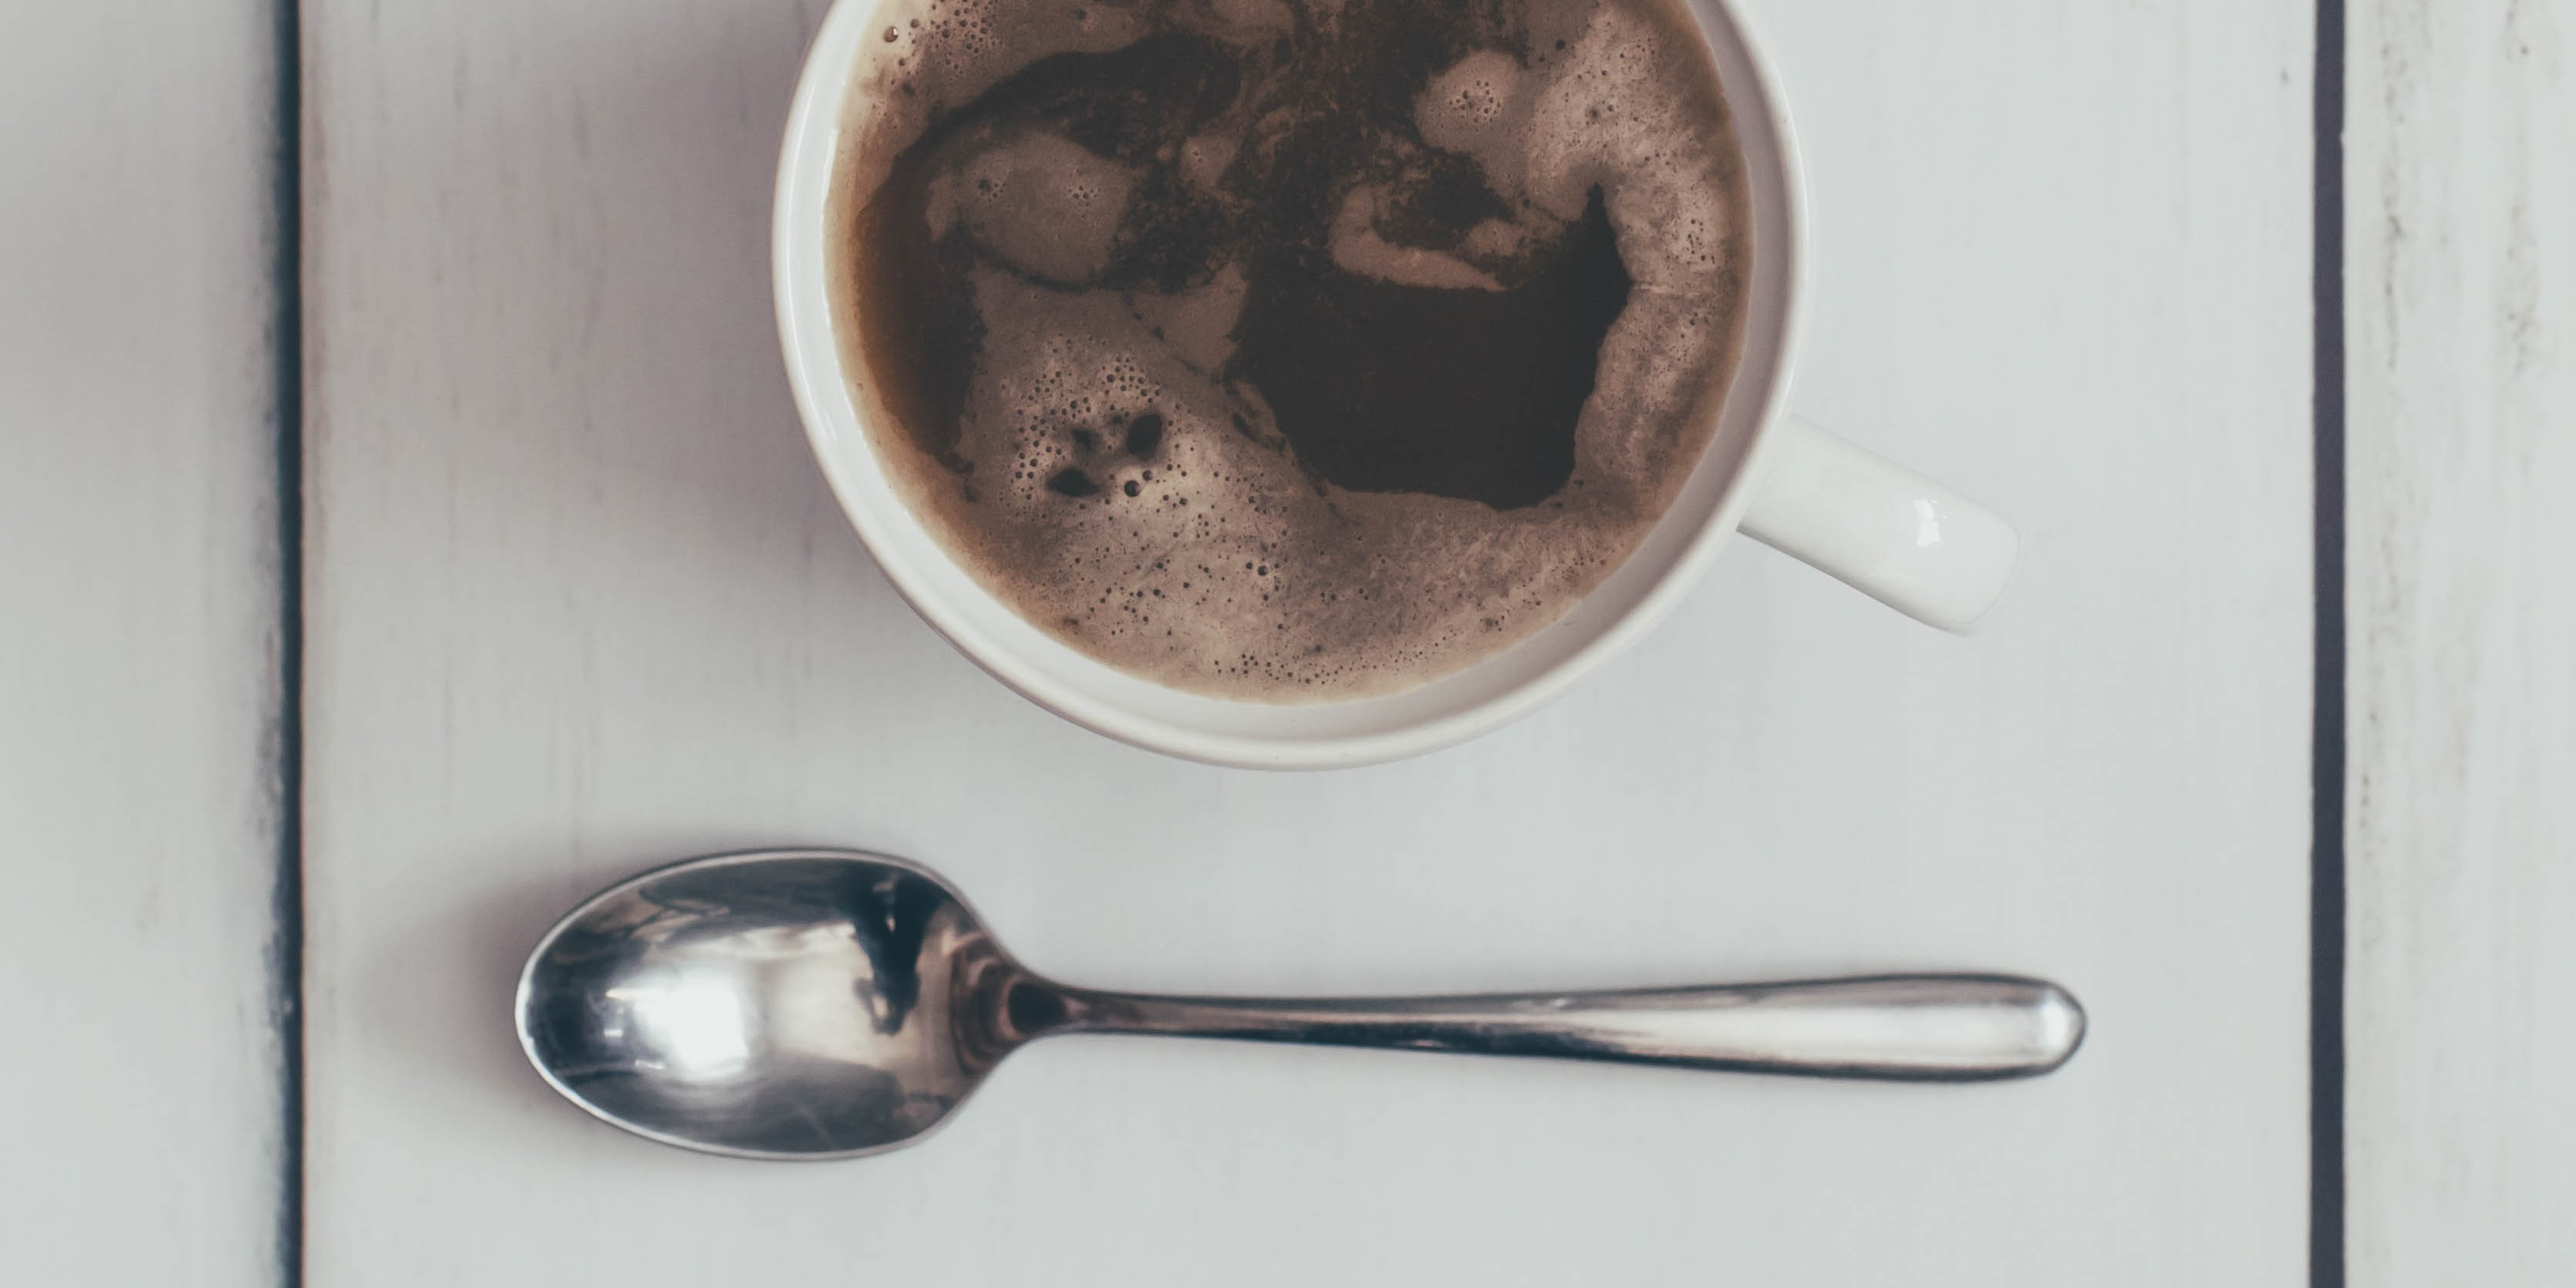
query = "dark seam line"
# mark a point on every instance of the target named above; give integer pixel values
(2327, 748)
(286, 749)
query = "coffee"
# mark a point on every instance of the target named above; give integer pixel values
(1288, 349)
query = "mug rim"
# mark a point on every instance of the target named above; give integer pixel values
(808, 155)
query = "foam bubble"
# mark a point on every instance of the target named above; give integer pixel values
(1034, 200)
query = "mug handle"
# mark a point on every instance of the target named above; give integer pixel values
(1882, 529)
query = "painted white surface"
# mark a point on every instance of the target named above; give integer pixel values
(137, 667)
(580, 603)
(2462, 697)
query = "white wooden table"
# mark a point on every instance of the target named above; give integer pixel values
(408, 531)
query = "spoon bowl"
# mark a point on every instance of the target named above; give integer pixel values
(771, 1005)
(798, 1004)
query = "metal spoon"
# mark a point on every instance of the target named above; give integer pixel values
(827, 1004)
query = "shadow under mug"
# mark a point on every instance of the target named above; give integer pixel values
(1902, 539)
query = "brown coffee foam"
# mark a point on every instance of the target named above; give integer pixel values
(1228, 568)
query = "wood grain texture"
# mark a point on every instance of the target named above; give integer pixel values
(138, 670)
(579, 603)
(2462, 694)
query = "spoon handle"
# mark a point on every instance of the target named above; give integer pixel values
(1916, 1028)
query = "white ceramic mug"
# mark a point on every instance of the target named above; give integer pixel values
(1889, 532)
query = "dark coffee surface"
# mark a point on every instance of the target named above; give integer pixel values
(1290, 349)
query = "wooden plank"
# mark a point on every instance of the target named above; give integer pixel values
(579, 603)
(138, 671)
(2462, 695)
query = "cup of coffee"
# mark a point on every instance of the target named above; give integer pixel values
(1307, 383)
